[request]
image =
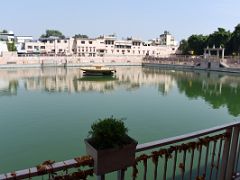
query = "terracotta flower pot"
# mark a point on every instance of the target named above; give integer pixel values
(109, 160)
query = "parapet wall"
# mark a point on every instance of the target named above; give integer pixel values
(37, 61)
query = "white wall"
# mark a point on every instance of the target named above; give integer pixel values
(3, 47)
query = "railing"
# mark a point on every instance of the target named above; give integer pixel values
(174, 60)
(207, 154)
(213, 153)
(231, 61)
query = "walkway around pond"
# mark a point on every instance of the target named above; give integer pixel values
(207, 154)
(66, 61)
(212, 63)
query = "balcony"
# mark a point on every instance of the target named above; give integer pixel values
(207, 154)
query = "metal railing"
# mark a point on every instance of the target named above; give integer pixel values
(207, 154)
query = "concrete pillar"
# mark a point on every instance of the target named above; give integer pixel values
(223, 53)
(218, 53)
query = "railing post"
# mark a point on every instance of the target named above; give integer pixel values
(225, 154)
(121, 174)
(232, 156)
(101, 177)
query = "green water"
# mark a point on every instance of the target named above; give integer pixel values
(46, 113)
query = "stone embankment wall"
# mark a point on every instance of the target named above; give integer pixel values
(39, 61)
(197, 63)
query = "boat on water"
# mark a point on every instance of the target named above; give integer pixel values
(97, 78)
(98, 70)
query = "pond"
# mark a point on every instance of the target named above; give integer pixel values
(46, 113)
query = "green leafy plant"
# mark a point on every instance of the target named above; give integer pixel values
(108, 133)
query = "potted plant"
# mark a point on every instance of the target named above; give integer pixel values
(110, 146)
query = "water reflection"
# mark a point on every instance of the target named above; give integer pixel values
(71, 80)
(8, 87)
(217, 89)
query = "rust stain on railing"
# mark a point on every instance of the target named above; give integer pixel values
(168, 153)
(50, 168)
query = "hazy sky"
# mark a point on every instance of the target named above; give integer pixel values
(139, 18)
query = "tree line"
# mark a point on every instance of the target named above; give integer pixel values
(196, 43)
(56, 33)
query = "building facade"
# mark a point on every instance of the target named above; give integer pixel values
(50, 46)
(166, 39)
(102, 46)
(3, 47)
(20, 42)
(111, 46)
(7, 36)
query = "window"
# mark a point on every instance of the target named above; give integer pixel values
(128, 51)
(35, 47)
(51, 41)
(65, 41)
(29, 47)
(42, 47)
(82, 42)
(90, 42)
(58, 41)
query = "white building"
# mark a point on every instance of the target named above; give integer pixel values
(20, 42)
(102, 46)
(3, 47)
(34, 46)
(9, 36)
(58, 46)
(166, 39)
(111, 46)
(50, 46)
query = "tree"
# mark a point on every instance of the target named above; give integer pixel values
(4, 31)
(197, 43)
(55, 33)
(11, 46)
(235, 40)
(219, 38)
(81, 36)
(184, 47)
